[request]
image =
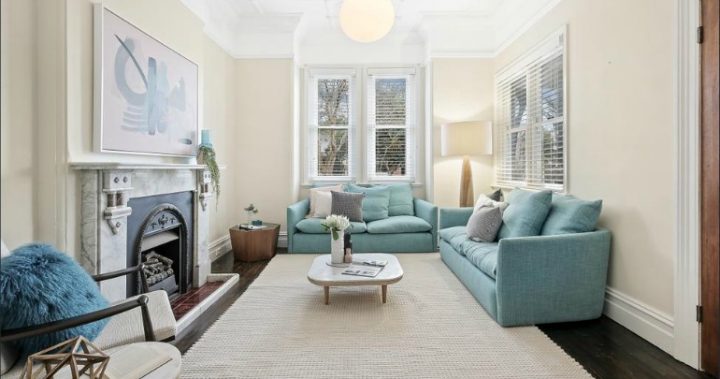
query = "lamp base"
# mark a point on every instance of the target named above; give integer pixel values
(467, 197)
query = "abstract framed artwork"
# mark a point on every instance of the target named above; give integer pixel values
(146, 94)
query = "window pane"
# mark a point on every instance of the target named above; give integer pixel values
(333, 102)
(551, 88)
(517, 155)
(552, 158)
(518, 102)
(390, 100)
(390, 156)
(333, 152)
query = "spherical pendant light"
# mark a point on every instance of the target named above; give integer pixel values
(367, 20)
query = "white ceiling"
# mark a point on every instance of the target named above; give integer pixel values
(308, 30)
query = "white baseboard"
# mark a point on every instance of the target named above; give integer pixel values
(283, 240)
(649, 323)
(219, 247)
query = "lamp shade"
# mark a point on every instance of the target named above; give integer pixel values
(466, 138)
(367, 20)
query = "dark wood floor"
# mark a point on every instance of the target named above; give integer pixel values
(605, 348)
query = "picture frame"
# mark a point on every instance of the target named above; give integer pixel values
(146, 95)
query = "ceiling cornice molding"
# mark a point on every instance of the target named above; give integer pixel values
(449, 54)
(445, 34)
(525, 26)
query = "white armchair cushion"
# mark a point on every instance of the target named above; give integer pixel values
(127, 327)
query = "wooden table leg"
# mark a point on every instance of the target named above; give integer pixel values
(327, 294)
(384, 293)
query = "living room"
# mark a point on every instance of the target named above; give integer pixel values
(186, 182)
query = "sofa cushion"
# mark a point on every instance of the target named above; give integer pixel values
(348, 205)
(401, 200)
(569, 214)
(40, 284)
(484, 257)
(399, 224)
(448, 234)
(314, 226)
(484, 224)
(525, 215)
(375, 205)
(325, 200)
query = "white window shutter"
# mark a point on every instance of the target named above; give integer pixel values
(530, 119)
(391, 119)
(330, 120)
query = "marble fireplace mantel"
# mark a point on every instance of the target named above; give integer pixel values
(135, 166)
(106, 188)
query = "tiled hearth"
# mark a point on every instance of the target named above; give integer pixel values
(191, 299)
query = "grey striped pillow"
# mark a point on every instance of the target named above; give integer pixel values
(348, 204)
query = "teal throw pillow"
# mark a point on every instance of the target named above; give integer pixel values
(40, 284)
(525, 214)
(401, 200)
(569, 214)
(375, 205)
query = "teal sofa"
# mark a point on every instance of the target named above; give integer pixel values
(395, 234)
(529, 280)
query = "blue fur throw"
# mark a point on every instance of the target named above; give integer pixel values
(39, 284)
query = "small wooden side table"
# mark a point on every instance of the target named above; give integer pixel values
(254, 245)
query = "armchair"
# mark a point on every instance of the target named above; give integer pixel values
(143, 318)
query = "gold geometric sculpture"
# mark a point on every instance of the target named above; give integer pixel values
(78, 353)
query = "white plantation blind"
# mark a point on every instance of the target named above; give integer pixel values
(391, 125)
(530, 116)
(331, 125)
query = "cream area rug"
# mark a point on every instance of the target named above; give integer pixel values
(430, 327)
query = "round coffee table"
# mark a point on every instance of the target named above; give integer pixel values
(327, 276)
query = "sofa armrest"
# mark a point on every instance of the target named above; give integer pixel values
(450, 217)
(552, 278)
(295, 213)
(428, 212)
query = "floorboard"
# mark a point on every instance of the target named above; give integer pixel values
(605, 348)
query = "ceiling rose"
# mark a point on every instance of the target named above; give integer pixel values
(367, 20)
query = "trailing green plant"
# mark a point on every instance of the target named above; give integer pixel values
(206, 154)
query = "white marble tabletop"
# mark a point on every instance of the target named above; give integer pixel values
(322, 274)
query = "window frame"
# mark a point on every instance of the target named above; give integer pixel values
(312, 128)
(410, 126)
(544, 52)
(359, 143)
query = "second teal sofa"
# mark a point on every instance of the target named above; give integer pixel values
(529, 280)
(395, 234)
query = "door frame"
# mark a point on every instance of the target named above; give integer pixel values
(686, 294)
(710, 176)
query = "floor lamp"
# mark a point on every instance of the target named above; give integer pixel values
(465, 139)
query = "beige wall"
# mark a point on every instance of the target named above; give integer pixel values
(462, 90)
(621, 131)
(264, 146)
(48, 64)
(220, 115)
(18, 124)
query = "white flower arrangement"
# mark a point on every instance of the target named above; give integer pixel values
(336, 224)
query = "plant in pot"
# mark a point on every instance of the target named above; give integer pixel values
(251, 210)
(336, 225)
(206, 156)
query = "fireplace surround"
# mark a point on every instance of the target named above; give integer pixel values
(118, 200)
